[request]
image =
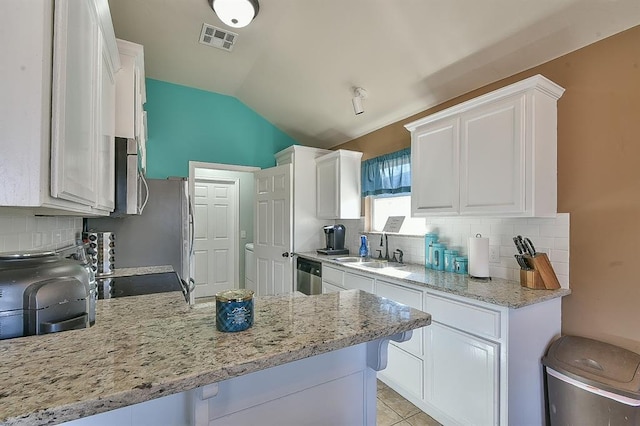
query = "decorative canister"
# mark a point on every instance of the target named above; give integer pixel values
(450, 259)
(428, 250)
(234, 310)
(437, 258)
(461, 264)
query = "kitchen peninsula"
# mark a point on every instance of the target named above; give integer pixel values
(156, 346)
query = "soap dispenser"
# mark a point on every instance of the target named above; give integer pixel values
(364, 246)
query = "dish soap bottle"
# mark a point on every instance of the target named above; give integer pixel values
(364, 246)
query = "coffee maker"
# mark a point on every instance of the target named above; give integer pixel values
(334, 235)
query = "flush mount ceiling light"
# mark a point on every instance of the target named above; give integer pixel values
(358, 95)
(235, 13)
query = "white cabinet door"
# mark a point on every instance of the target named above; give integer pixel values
(434, 168)
(492, 158)
(330, 288)
(74, 134)
(404, 371)
(462, 375)
(358, 282)
(130, 94)
(333, 276)
(272, 230)
(410, 297)
(328, 191)
(106, 145)
(338, 185)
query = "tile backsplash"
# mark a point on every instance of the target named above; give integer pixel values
(549, 235)
(20, 231)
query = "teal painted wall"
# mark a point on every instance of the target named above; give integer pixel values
(186, 124)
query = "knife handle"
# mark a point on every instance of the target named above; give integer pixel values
(528, 245)
(516, 241)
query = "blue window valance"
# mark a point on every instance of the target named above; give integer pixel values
(387, 174)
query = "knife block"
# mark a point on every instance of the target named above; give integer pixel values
(531, 279)
(542, 276)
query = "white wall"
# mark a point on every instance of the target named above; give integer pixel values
(550, 236)
(21, 230)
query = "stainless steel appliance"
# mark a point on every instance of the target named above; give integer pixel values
(308, 276)
(334, 237)
(132, 191)
(42, 293)
(79, 253)
(161, 235)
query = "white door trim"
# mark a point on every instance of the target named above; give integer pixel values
(193, 165)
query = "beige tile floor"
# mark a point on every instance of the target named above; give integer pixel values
(394, 410)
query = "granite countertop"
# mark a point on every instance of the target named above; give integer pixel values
(145, 347)
(142, 270)
(496, 291)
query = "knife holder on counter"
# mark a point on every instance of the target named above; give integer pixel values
(541, 276)
(531, 279)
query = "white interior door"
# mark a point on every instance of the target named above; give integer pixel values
(215, 245)
(272, 230)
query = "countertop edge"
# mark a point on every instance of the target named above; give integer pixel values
(540, 295)
(168, 385)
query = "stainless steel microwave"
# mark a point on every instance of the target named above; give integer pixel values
(132, 192)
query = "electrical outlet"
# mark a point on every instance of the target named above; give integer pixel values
(494, 254)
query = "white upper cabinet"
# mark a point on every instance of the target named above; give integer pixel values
(55, 158)
(307, 228)
(493, 155)
(338, 185)
(106, 145)
(131, 92)
(74, 136)
(435, 168)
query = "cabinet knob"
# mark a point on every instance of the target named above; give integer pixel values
(285, 254)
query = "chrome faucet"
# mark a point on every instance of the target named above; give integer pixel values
(386, 246)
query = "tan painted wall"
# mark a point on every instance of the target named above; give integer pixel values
(598, 181)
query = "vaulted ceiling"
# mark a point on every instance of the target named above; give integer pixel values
(297, 62)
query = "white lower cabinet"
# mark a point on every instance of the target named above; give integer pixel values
(410, 297)
(476, 364)
(404, 371)
(462, 375)
(358, 282)
(330, 288)
(332, 279)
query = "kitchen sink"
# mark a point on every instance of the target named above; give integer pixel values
(380, 264)
(350, 259)
(369, 263)
(375, 264)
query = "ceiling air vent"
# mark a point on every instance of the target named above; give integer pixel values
(217, 37)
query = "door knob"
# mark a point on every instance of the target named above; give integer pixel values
(285, 254)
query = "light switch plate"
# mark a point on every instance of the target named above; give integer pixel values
(494, 254)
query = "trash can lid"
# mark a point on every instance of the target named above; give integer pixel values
(596, 363)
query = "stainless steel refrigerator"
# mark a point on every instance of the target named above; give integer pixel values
(158, 236)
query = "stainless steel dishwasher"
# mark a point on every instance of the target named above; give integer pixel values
(309, 276)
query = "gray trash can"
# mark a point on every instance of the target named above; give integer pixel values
(592, 383)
